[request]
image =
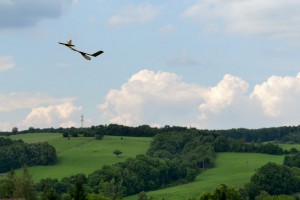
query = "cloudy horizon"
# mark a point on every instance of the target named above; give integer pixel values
(163, 98)
(209, 64)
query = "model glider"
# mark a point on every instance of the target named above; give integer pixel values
(68, 44)
(85, 55)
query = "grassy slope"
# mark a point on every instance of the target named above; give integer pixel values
(83, 155)
(232, 169)
(289, 146)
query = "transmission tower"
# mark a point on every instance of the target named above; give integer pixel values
(82, 120)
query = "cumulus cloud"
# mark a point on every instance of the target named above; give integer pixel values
(279, 96)
(20, 13)
(6, 63)
(140, 14)
(22, 100)
(164, 98)
(227, 92)
(160, 98)
(275, 18)
(152, 98)
(53, 115)
(227, 105)
(38, 110)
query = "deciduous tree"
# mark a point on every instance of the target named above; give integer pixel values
(275, 179)
(117, 152)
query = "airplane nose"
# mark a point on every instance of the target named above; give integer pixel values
(86, 57)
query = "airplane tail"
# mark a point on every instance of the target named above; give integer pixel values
(97, 53)
(70, 43)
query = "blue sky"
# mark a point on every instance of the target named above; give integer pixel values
(203, 63)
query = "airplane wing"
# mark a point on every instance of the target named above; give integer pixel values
(86, 55)
(96, 54)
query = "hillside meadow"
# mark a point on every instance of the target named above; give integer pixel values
(83, 154)
(232, 169)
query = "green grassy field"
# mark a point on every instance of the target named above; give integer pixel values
(232, 169)
(83, 155)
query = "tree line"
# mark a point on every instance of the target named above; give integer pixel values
(14, 154)
(264, 134)
(111, 129)
(284, 133)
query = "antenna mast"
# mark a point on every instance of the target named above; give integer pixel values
(82, 120)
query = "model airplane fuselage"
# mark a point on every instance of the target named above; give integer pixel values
(85, 55)
(68, 44)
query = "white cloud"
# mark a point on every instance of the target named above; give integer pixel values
(279, 97)
(275, 18)
(38, 110)
(20, 13)
(53, 115)
(160, 98)
(227, 92)
(134, 15)
(6, 63)
(15, 101)
(227, 105)
(152, 98)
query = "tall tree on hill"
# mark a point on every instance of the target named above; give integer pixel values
(79, 192)
(25, 186)
(8, 185)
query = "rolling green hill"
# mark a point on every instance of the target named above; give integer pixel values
(83, 155)
(232, 169)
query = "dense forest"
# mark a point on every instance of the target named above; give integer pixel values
(176, 155)
(14, 154)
